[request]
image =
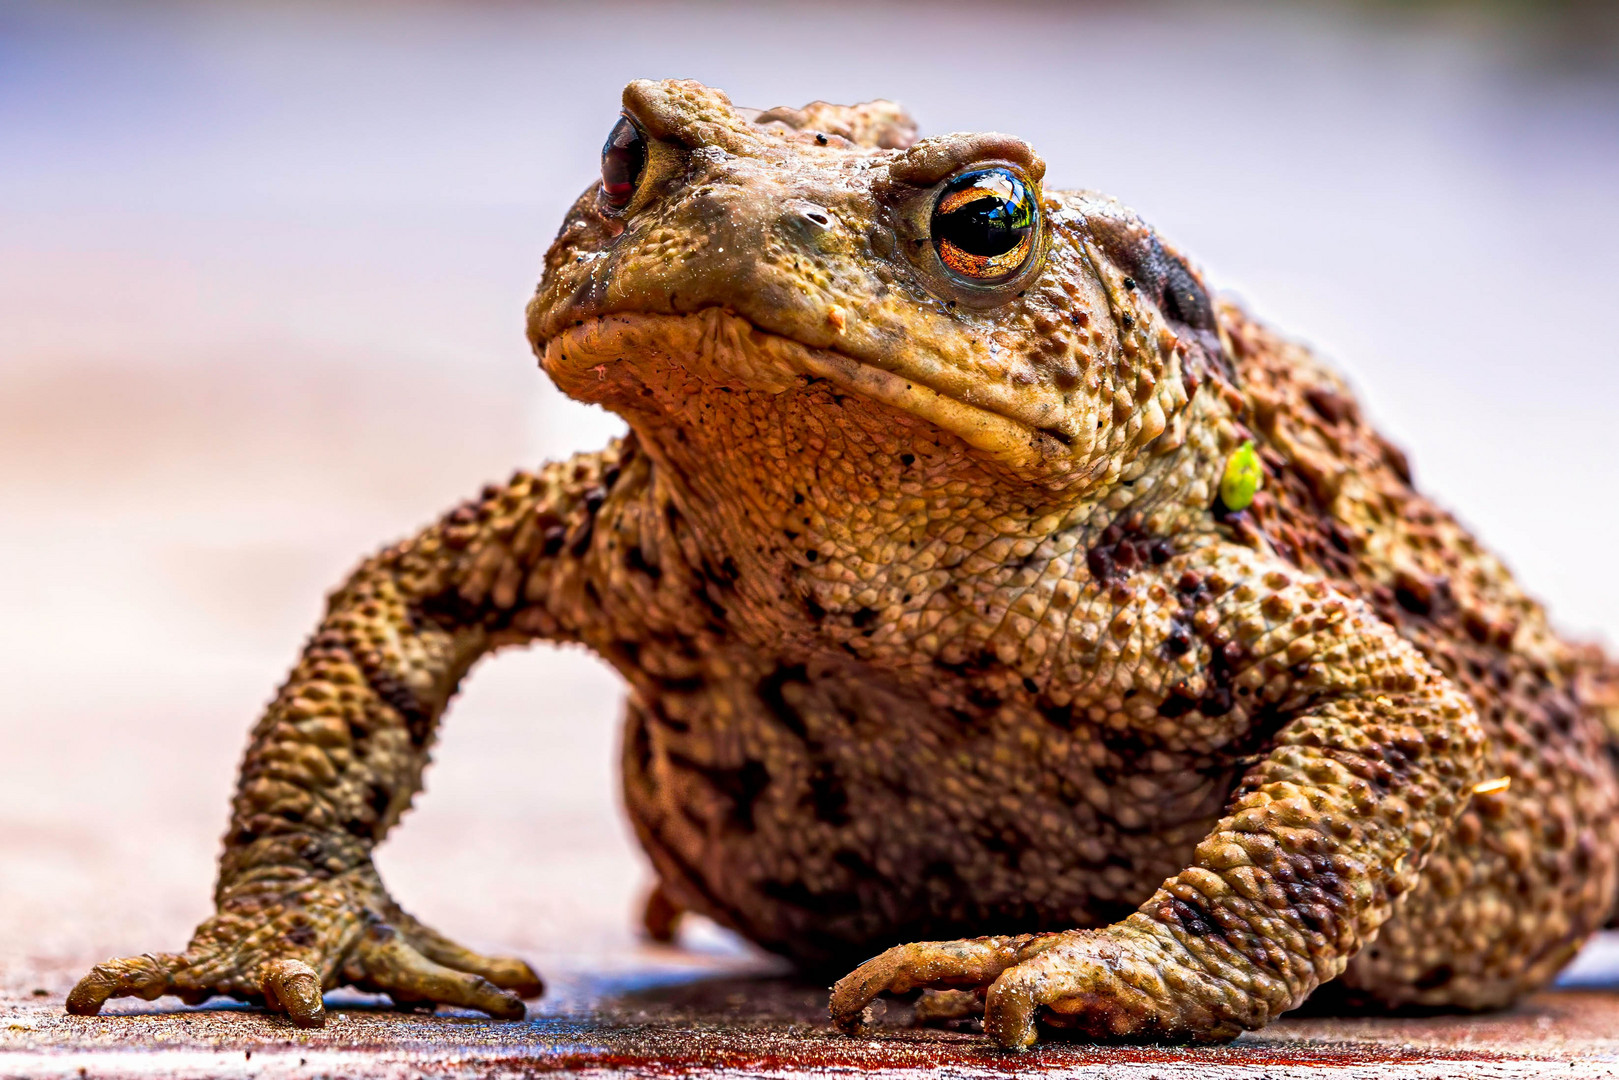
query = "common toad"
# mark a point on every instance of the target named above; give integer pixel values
(935, 567)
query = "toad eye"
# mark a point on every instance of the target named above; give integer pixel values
(984, 225)
(623, 162)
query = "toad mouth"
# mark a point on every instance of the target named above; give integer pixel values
(721, 345)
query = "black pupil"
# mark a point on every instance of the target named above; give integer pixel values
(993, 223)
(623, 158)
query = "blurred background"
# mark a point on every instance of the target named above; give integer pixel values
(262, 272)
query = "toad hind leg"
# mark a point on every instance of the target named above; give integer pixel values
(1318, 841)
(339, 754)
(661, 915)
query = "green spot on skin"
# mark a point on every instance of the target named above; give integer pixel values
(1243, 477)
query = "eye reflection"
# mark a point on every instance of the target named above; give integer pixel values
(623, 162)
(984, 225)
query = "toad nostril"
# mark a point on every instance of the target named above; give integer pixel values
(809, 224)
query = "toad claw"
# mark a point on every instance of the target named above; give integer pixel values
(506, 972)
(287, 949)
(972, 963)
(1009, 1011)
(386, 962)
(294, 987)
(147, 977)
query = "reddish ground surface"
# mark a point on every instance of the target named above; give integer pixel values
(668, 1022)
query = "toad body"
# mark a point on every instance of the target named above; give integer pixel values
(953, 626)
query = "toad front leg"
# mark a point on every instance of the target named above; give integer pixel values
(1375, 758)
(339, 755)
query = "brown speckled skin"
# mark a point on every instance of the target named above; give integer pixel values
(934, 626)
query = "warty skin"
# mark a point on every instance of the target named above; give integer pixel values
(935, 627)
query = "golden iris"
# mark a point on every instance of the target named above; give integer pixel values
(984, 225)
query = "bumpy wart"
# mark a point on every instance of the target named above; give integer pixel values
(993, 604)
